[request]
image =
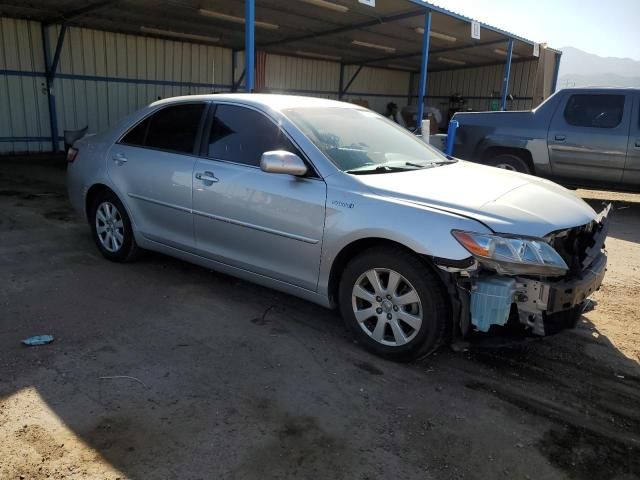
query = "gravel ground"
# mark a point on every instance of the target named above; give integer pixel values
(163, 370)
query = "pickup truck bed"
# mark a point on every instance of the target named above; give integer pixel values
(579, 137)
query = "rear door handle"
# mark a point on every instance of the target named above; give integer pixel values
(638, 143)
(560, 138)
(207, 177)
(120, 159)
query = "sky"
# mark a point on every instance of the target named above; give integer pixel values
(607, 28)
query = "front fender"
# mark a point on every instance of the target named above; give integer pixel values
(424, 230)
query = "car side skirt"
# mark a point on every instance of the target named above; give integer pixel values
(234, 271)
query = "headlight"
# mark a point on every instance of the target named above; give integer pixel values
(513, 256)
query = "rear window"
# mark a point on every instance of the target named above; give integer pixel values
(596, 111)
(173, 128)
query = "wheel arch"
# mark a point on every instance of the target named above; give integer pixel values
(495, 150)
(92, 193)
(350, 250)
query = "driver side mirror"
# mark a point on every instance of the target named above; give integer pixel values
(281, 161)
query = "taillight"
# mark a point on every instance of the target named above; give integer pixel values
(72, 154)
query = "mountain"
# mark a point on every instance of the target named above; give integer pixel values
(582, 69)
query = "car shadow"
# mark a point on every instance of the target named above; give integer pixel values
(163, 369)
(625, 214)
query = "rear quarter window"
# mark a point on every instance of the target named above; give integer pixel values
(594, 110)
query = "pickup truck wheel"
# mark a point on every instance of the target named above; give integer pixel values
(393, 304)
(508, 161)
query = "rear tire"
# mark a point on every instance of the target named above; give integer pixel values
(111, 228)
(405, 316)
(509, 161)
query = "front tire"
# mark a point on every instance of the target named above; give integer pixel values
(111, 228)
(508, 161)
(393, 304)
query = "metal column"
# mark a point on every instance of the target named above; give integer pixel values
(556, 69)
(507, 72)
(249, 42)
(422, 87)
(341, 82)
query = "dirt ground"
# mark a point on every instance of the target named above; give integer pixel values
(164, 370)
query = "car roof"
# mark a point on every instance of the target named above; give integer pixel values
(601, 89)
(268, 100)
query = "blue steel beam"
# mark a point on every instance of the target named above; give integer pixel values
(50, 67)
(352, 79)
(347, 28)
(422, 86)
(410, 93)
(556, 69)
(234, 55)
(507, 73)
(400, 56)
(457, 16)
(249, 43)
(236, 85)
(70, 15)
(51, 70)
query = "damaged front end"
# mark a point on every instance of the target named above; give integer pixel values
(541, 283)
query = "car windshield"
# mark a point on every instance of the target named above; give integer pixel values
(359, 141)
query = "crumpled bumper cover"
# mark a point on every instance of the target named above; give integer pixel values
(564, 295)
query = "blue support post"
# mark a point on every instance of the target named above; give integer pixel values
(507, 72)
(50, 67)
(556, 69)
(451, 136)
(340, 85)
(249, 42)
(422, 87)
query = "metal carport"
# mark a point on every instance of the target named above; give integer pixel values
(403, 45)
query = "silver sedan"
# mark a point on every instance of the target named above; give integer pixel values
(334, 203)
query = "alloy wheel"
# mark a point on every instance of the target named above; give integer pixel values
(387, 307)
(109, 227)
(506, 166)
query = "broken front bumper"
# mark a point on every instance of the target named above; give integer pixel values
(493, 297)
(537, 301)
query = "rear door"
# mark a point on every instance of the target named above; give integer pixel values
(631, 175)
(587, 137)
(266, 223)
(151, 166)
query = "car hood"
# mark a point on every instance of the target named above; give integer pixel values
(506, 202)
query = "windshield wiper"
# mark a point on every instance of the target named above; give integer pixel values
(417, 165)
(378, 169)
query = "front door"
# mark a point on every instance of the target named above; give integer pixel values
(266, 223)
(151, 167)
(631, 177)
(588, 137)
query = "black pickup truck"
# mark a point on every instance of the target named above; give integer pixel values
(586, 137)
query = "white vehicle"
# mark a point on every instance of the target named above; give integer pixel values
(334, 203)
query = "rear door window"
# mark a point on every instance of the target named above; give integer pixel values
(138, 134)
(595, 111)
(174, 129)
(242, 135)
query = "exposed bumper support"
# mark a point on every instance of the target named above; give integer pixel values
(492, 297)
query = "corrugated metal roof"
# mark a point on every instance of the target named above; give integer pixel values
(387, 35)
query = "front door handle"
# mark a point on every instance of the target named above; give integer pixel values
(560, 138)
(207, 177)
(638, 143)
(120, 159)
